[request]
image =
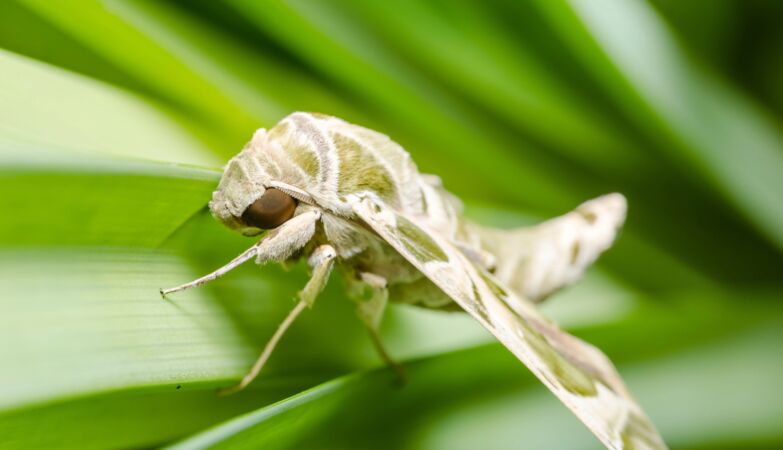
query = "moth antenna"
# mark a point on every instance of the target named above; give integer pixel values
(244, 256)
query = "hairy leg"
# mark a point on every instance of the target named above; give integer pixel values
(371, 296)
(278, 245)
(321, 262)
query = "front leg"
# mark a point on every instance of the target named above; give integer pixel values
(321, 263)
(278, 245)
(371, 295)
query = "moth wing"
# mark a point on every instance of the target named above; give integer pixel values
(537, 261)
(580, 375)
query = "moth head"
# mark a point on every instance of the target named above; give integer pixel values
(270, 209)
(245, 200)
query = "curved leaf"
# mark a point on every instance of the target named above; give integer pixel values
(48, 108)
(703, 121)
(451, 405)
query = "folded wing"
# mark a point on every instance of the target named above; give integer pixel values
(577, 373)
(537, 261)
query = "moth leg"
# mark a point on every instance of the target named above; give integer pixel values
(278, 245)
(321, 263)
(371, 296)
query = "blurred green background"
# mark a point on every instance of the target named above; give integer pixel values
(116, 116)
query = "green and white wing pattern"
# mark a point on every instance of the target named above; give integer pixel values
(537, 261)
(580, 375)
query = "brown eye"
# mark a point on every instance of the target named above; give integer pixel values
(270, 210)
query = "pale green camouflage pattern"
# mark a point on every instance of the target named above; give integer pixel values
(384, 218)
(577, 373)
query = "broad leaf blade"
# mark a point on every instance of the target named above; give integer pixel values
(450, 404)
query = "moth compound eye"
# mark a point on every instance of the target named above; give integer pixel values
(270, 210)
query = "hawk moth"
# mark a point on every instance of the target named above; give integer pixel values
(348, 197)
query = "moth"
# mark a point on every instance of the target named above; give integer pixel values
(348, 197)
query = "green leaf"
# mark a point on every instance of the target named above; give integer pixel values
(700, 120)
(81, 116)
(102, 28)
(450, 404)
(106, 327)
(131, 419)
(504, 75)
(236, 86)
(116, 116)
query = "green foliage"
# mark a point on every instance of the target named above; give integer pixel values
(116, 116)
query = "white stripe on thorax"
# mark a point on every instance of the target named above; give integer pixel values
(324, 148)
